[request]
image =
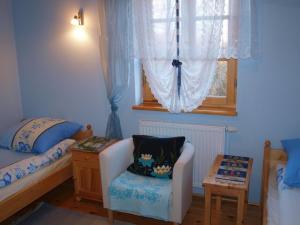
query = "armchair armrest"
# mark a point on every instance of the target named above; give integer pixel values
(113, 161)
(183, 183)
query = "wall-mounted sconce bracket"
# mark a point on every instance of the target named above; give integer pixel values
(78, 20)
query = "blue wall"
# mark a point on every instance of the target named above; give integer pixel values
(59, 65)
(60, 76)
(10, 99)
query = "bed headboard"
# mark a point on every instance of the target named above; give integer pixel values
(271, 157)
(85, 133)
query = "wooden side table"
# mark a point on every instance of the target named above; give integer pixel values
(212, 187)
(86, 172)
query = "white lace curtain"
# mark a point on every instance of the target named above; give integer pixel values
(209, 29)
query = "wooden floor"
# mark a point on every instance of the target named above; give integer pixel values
(63, 197)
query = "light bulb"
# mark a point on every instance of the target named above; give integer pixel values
(75, 21)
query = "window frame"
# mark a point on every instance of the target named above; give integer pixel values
(211, 105)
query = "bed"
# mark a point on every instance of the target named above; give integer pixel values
(31, 187)
(280, 203)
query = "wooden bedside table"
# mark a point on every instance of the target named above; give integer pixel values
(86, 168)
(213, 187)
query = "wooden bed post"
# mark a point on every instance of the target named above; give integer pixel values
(83, 134)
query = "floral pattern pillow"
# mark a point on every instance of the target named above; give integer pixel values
(37, 135)
(155, 157)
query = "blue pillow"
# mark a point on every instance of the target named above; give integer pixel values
(292, 175)
(38, 135)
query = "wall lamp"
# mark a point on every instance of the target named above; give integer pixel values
(78, 19)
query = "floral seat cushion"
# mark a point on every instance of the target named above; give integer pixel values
(141, 195)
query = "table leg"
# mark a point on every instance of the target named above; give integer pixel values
(207, 218)
(218, 203)
(241, 207)
(218, 209)
(246, 206)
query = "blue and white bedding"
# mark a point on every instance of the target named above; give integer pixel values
(22, 167)
(289, 200)
(10, 157)
(31, 180)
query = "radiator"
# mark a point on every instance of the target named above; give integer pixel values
(207, 140)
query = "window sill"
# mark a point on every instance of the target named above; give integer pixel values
(220, 110)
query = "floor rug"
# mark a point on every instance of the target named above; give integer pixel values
(47, 214)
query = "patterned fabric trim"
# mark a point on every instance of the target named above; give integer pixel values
(25, 167)
(280, 177)
(26, 136)
(146, 196)
(17, 131)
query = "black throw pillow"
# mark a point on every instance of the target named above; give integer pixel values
(155, 157)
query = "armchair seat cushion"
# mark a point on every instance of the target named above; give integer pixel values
(141, 195)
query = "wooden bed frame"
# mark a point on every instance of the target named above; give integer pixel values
(271, 157)
(24, 197)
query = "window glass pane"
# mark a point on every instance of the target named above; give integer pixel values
(201, 28)
(163, 9)
(219, 87)
(224, 40)
(160, 34)
(159, 9)
(203, 4)
(226, 10)
(164, 39)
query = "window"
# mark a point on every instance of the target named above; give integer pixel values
(222, 96)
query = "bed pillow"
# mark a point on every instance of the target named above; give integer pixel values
(155, 157)
(38, 135)
(292, 172)
(6, 137)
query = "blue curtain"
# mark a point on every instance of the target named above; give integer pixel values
(115, 50)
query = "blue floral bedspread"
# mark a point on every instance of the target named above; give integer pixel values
(25, 167)
(280, 176)
(146, 196)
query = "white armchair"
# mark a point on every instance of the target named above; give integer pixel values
(116, 159)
